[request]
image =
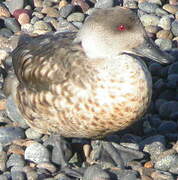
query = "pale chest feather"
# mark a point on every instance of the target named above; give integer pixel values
(112, 98)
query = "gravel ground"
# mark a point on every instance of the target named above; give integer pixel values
(26, 154)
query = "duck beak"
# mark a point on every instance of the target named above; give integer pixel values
(149, 49)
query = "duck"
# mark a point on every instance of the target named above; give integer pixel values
(87, 84)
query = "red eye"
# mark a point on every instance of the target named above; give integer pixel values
(121, 28)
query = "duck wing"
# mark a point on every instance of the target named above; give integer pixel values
(42, 61)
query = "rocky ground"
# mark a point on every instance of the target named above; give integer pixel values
(26, 154)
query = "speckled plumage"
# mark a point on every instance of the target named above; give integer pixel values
(64, 89)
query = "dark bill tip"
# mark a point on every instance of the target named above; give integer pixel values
(149, 49)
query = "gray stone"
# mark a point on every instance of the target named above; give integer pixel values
(34, 20)
(5, 32)
(65, 26)
(3, 177)
(66, 10)
(155, 69)
(77, 24)
(173, 68)
(12, 24)
(14, 5)
(175, 27)
(148, 7)
(154, 145)
(159, 102)
(15, 160)
(164, 44)
(167, 127)
(77, 16)
(172, 81)
(166, 160)
(167, 108)
(32, 134)
(37, 153)
(165, 23)
(16, 175)
(162, 175)
(159, 2)
(14, 113)
(95, 172)
(131, 4)
(104, 4)
(3, 160)
(149, 20)
(161, 12)
(41, 27)
(8, 134)
(168, 94)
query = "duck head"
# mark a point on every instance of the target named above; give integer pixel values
(118, 30)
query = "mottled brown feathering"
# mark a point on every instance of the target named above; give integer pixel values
(62, 90)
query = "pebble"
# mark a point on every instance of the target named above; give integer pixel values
(66, 10)
(62, 4)
(82, 4)
(164, 34)
(12, 24)
(8, 134)
(170, 8)
(15, 160)
(154, 145)
(38, 3)
(17, 175)
(131, 4)
(155, 69)
(152, 29)
(168, 94)
(15, 149)
(167, 108)
(3, 177)
(4, 12)
(104, 4)
(166, 160)
(172, 81)
(149, 20)
(30, 173)
(14, 4)
(164, 44)
(167, 127)
(174, 27)
(159, 2)
(173, 68)
(64, 26)
(165, 23)
(5, 32)
(161, 175)
(32, 134)
(41, 27)
(48, 166)
(148, 7)
(50, 11)
(94, 173)
(160, 12)
(37, 153)
(77, 16)
(3, 159)
(37, 15)
(27, 28)
(13, 112)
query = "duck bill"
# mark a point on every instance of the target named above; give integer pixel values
(149, 49)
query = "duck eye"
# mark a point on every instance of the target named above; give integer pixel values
(121, 27)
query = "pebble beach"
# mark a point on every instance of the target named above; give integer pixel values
(28, 155)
